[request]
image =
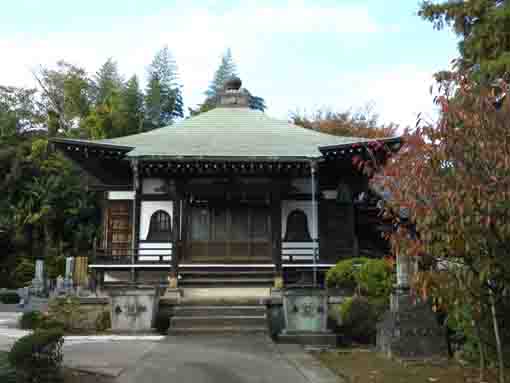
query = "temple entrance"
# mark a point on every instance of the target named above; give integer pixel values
(234, 233)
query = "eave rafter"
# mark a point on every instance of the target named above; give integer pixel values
(205, 167)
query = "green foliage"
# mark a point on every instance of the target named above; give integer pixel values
(9, 298)
(359, 318)
(7, 373)
(30, 320)
(344, 273)
(162, 322)
(375, 278)
(24, 272)
(37, 357)
(482, 26)
(163, 98)
(369, 277)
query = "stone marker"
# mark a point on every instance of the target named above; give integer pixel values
(409, 329)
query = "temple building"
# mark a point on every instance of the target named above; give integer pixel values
(231, 196)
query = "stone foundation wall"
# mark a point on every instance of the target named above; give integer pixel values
(91, 311)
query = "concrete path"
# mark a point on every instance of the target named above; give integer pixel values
(232, 358)
(219, 358)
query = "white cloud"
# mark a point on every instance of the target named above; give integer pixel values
(256, 33)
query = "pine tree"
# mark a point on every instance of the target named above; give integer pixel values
(163, 97)
(132, 106)
(107, 82)
(226, 70)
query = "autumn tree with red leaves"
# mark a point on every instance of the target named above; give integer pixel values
(453, 179)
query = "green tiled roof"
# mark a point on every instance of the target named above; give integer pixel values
(230, 132)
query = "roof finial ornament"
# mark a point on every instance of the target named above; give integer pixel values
(233, 95)
(233, 84)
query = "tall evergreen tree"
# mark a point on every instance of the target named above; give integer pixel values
(163, 99)
(226, 70)
(132, 106)
(107, 82)
(482, 26)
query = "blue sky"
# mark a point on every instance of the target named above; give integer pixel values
(298, 55)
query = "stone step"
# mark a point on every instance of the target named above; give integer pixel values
(223, 281)
(218, 310)
(220, 321)
(217, 330)
(186, 273)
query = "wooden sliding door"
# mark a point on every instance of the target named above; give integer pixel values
(229, 234)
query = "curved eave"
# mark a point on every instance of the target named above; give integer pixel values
(121, 149)
(393, 144)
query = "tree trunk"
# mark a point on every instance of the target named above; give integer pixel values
(498, 339)
(482, 350)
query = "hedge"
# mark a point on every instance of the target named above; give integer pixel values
(9, 298)
(37, 357)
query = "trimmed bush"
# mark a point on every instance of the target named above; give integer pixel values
(30, 320)
(162, 322)
(370, 277)
(359, 319)
(36, 320)
(344, 273)
(375, 278)
(9, 298)
(37, 357)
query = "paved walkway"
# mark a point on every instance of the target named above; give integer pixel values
(226, 359)
(223, 358)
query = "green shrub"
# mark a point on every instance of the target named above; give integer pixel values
(9, 298)
(24, 272)
(375, 278)
(371, 277)
(359, 319)
(30, 320)
(162, 322)
(7, 373)
(37, 357)
(103, 321)
(343, 274)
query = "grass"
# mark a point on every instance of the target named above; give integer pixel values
(366, 366)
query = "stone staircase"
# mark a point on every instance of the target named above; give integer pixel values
(223, 276)
(221, 315)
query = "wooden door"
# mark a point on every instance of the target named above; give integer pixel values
(118, 228)
(229, 234)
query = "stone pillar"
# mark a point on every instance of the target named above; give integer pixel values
(38, 281)
(69, 271)
(409, 329)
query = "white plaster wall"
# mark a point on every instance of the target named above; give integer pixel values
(150, 185)
(147, 209)
(307, 208)
(121, 195)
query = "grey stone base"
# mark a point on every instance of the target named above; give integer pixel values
(410, 331)
(308, 338)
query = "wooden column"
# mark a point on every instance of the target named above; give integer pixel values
(176, 248)
(135, 219)
(276, 230)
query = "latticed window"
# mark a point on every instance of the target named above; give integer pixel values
(160, 226)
